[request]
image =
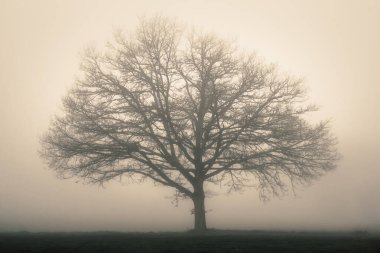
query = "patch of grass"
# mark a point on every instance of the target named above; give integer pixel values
(213, 241)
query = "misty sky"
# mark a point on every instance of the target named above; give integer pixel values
(333, 45)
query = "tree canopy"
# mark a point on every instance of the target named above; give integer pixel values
(185, 108)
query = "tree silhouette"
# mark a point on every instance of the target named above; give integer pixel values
(185, 109)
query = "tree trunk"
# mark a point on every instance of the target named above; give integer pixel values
(199, 211)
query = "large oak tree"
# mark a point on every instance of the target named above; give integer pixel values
(185, 109)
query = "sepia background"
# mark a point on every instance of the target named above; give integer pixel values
(333, 44)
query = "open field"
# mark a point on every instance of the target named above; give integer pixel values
(216, 241)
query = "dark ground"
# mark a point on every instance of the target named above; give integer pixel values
(214, 241)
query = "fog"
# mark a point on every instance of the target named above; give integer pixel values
(333, 45)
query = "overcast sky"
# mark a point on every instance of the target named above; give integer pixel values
(333, 45)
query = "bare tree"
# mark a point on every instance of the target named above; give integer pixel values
(185, 109)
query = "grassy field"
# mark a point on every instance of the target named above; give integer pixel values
(215, 241)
